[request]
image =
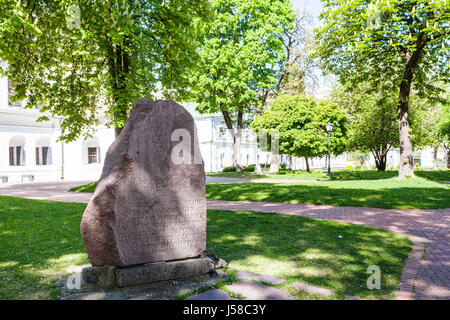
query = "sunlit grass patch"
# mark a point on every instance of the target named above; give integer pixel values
(309, 251)
(384, 193)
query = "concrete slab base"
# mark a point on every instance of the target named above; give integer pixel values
(214, 294)
(163, 290)
(110, 276)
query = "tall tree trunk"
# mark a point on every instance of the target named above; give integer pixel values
(406, 166)
(119, 68)
(289, 157)
(237, 151)
(274, 163)
(236, 138)
(307, 164)
(446, 155)
(435, 158)
(380, 159)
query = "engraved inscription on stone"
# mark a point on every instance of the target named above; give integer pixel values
(145, 207)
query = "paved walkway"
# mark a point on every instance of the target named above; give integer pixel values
(427, 268)
(54, 191)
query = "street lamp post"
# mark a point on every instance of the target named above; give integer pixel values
(329, 129)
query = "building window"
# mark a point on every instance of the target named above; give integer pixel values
(43, 151)
(43, 156)
(92, 155)
(91, 151)
(17, 151)
(16, 156)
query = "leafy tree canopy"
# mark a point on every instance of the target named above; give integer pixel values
(443, 127)
(238, 54)
(301, 125)
(363, 40)
(393, 44)
(74, 57)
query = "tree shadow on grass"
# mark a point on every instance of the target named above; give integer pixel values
(38, 241)
(309, 250)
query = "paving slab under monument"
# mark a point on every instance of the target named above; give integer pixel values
(260, 277)
(312, 289)
(215, 294)
(257, 291)
(164, 290)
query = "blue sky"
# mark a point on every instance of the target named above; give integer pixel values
(313, 6)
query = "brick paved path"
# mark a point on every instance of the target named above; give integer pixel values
(428, 229)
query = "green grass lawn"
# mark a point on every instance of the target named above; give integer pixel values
(40, 241)
(90, 187)
(321, 175)
(385, 193)
(360, 188)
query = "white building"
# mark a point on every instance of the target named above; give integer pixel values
(29, 150)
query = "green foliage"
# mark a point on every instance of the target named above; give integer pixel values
(372, 117)
(365, 41)
(249, 168)
(394, 45)
(229, 169)
(239, 52)
(426, 118)
(73, 57)
(443, 126)
(301, 124)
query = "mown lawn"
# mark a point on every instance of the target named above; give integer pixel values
(321, 175)
(40, 241)
(359, 188)
(390, 193)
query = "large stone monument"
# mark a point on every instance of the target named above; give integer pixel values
(146, 221)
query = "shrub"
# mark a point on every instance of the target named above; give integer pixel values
(229, 169)
(250, 168)
(358, 166)
(349, 167)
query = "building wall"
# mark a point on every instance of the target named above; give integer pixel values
(14, 126)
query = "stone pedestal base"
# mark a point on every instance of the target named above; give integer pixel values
(118, 277)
